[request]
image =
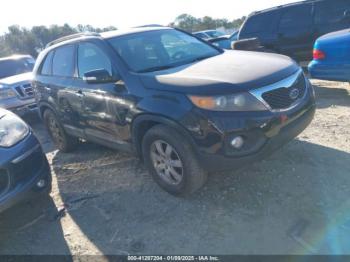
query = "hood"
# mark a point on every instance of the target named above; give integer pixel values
(17, 79)
(2, 112)
(231, 71)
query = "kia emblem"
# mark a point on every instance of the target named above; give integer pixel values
(294, 93)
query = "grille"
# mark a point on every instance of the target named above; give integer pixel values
(28, 90)
(4, 182)
(25, 91)
(281, 98)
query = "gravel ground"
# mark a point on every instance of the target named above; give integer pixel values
(104, 202)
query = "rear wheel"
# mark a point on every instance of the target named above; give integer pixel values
(171, 161)
(61, 139)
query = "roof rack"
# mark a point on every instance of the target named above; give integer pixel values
(70, 37)
(150, 25)
(286, 5)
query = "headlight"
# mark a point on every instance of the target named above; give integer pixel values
(12, 130)
(237, 102)
(7, 93)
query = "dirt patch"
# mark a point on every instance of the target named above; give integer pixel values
(104, 202)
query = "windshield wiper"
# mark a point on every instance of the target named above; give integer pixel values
(156, 68)
(197, 59)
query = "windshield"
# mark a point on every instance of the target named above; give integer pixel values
(13, 67)
(161, 49)
(214, 34)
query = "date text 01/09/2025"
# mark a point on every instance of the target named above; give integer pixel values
(173, 258)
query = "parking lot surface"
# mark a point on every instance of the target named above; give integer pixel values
(104, 202)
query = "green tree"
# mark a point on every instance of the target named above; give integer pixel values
(191, 24)
(20, 40)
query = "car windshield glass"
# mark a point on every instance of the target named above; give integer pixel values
(160, 49)
(13, 67)
(214, 33)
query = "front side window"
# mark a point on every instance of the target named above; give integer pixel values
(91, 57)
(63, 61)
(161, 49)
(12, 67)
(328, 12)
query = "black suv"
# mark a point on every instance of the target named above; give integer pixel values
(184, 106)
(292, 29)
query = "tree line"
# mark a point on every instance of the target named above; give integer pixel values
(192, 24)
(21, 40)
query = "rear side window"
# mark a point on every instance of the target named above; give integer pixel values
(46, 67)
(328, 12)
(62, 64)
(297, 16)
(91, 57)
(265, 22)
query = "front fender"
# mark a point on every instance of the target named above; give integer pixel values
(144, 122)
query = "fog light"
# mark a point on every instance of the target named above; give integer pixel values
(41, 183)
(237, 142)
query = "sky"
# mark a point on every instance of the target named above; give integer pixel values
(122, 14)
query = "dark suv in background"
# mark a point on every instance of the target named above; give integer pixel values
(184, 106)
(292, 29)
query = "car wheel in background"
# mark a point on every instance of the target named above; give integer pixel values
(171, 161)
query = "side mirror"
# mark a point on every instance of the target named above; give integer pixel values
(347, 14)
(99, 76)
(251, 44)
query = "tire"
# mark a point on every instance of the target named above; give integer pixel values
(64, 142)
(192, 176)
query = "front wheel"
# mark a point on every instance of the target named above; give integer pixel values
(171, 161)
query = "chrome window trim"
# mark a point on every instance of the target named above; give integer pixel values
(25, 155)
(285, 83)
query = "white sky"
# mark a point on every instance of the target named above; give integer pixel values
(121, 13)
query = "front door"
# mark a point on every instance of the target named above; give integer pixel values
(104, 104)
(331, 16)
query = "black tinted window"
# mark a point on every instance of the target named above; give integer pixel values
(62, 64)
(13, 67)
(91, 57)
(296, 16)
(46, 67)
(265, 22)
(329, 12)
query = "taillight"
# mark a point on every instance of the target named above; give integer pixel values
(319, 55)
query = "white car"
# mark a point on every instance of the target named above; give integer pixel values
(16, 92)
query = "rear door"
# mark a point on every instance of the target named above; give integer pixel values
(295, 32)
(330, 16)
(65, 94)
(53, 85)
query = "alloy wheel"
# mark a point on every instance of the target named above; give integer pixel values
(167, 162)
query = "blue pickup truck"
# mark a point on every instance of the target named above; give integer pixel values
(332, 57)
